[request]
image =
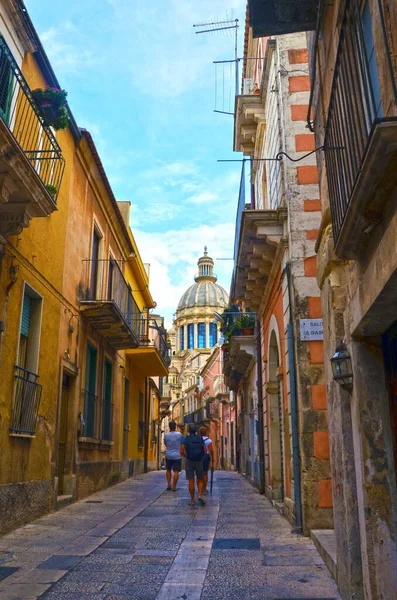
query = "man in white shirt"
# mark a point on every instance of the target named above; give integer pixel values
(172, 441)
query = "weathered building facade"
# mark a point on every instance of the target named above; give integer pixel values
(74, 299)
(352, 111)
(276, 371)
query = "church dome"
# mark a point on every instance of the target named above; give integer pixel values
(205, 292)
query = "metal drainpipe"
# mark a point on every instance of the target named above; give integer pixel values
(294, 412)
(259, 384)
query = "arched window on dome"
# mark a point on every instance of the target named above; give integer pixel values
(190, 335)
(201, 335)
(182, 337)
(213, 334)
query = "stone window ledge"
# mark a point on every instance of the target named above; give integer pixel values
(22, 435)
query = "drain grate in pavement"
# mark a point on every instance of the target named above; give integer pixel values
(7, 571)
(236, 544)
(93, 502)
(61, 562)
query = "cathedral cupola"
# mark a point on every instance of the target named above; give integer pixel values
(205, 268)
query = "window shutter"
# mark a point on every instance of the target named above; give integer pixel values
(27, 306)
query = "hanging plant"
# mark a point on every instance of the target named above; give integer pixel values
(52, 104)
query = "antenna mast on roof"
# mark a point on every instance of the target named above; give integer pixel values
(226, 25)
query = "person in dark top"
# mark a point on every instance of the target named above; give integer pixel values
(194, 449)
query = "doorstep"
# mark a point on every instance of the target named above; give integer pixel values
(63, 501)
(325, 542)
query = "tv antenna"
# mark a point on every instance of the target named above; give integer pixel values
(226, 26)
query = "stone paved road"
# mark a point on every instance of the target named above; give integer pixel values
(136, 541)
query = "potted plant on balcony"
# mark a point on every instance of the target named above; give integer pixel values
(247, 323)
(52, 105)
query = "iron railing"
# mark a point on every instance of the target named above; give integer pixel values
(157, 339)
(26, 402)
(238, 323)
(220, 386)
(353, 109)
(105, 282)
(90, 411)
(20, 113)
(107, 420)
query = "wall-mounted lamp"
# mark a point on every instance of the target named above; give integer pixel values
(342, 368)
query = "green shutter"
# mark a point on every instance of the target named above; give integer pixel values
(27, 306)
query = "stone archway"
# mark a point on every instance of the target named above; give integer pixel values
(274, 394)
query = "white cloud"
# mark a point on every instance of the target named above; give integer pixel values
(202, 198)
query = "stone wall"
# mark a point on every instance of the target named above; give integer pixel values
(21, 503)
(93, 476)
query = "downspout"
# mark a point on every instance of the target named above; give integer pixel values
(294, 412)
(259, 384)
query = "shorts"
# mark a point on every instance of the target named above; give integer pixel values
(206, 463)
(173, 464)
(192, 467)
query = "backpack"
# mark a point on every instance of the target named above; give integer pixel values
(194, 447)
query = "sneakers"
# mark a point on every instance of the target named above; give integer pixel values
(201, 501)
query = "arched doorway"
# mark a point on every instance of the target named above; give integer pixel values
(276, 449)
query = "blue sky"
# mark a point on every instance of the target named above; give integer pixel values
(141, 81)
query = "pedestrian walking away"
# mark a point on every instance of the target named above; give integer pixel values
(208, 457)
(172, 441)
(194, 449)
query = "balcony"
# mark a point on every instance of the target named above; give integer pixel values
(107, 303)
(360, 145)
(26, 402)
(249, 122)
(257, 239)
(240, 348)
(277, 17)
(31, 161)
(153, 352)
(220, 387)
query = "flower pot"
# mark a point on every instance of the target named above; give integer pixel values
(248, 331)
(48, 112)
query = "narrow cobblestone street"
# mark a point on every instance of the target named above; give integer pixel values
(137, 541)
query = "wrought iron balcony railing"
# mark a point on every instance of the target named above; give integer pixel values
(26, 402)
(105, 282)
(238, 323)
(22, 116)
(354, 110)
(157, 338)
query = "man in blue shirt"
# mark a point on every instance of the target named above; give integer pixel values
(172, 441)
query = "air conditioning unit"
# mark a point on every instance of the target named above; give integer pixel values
(248, 86)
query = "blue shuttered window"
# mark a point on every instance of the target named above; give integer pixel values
(201, 335)
(213, 334)
(26, 309)
(190, 335)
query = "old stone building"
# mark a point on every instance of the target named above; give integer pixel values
(352, 111)
(276, 371)
(75, 414)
